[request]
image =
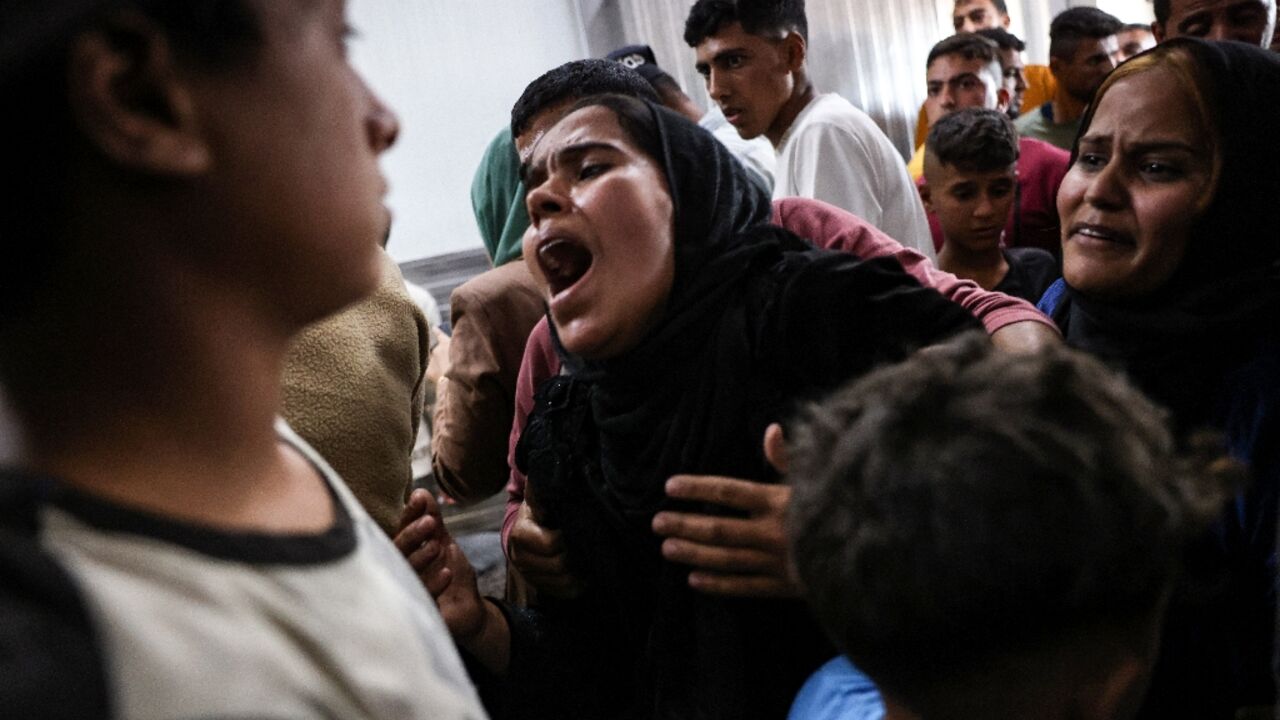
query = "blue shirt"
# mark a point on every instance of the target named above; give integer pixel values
(837, 691)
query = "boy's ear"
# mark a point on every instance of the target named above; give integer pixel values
(925, 197)
(796, 50)
(130, 101)
(1002, 100)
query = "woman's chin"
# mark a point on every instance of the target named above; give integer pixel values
(588, 340)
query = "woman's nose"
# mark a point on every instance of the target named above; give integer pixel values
(1106, 188)
(544, 201)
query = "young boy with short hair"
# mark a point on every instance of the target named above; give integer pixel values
(970, 184)
(988, 535)
(199, 182)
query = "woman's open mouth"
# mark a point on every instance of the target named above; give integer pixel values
(563, 263)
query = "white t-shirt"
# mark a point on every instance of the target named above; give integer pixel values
(835, 153)
(196, 622)
(756, 154)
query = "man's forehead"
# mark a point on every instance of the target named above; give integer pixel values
(538, 126)
(1088, 48)
(964, 7)
(1179, 8)
(955, 64)
(1010, 57)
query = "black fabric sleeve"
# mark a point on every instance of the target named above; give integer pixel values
(839, 317)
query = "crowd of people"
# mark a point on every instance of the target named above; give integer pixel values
(787, 426)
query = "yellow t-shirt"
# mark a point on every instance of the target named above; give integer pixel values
(1041, 86)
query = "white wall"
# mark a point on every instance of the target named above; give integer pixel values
(1129, 11)
(451, 70)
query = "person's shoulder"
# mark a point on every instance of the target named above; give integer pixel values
(49, 654)
(1029, 119)
(510, 282)
(1039, 151)
(838, 691)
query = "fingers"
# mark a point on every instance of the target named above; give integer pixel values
(723, 559)
(539, 555)
(764, 532)
(775, 448)
(527, 536)
(414, 508)
(758, 586)
(746, 495)
(418, 532)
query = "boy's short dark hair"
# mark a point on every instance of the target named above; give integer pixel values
(970, 505)
(1163, 9)
(758, 17)
(970, 46)
(1003, 39)
(1074, 25)
(38, 137)
(573, 81)
(974, 140)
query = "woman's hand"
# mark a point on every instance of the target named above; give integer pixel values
(741, 557)
(538, 553)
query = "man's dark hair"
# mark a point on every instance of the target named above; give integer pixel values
(39, 141)
(974, 140)
(969, 506)
(1074, 25)
(765, 18)
(1001, 7)
(970, 46)
(1163, 9)
(1003, 39)
(1130, 27)
(573, 81)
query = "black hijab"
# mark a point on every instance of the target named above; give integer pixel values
(1177, 342)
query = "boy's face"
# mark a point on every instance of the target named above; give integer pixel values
(750, 77)
(972, 207)
(974, 15)
(294, 135)
(1083, 74)
(955, 82)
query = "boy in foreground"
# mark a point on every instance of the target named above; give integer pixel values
(200, 181)
(989, 536)
(970, 185)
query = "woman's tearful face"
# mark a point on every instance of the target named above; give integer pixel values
(1141, 178)
(600, 243)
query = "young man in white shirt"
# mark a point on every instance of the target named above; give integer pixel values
(753, 58)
